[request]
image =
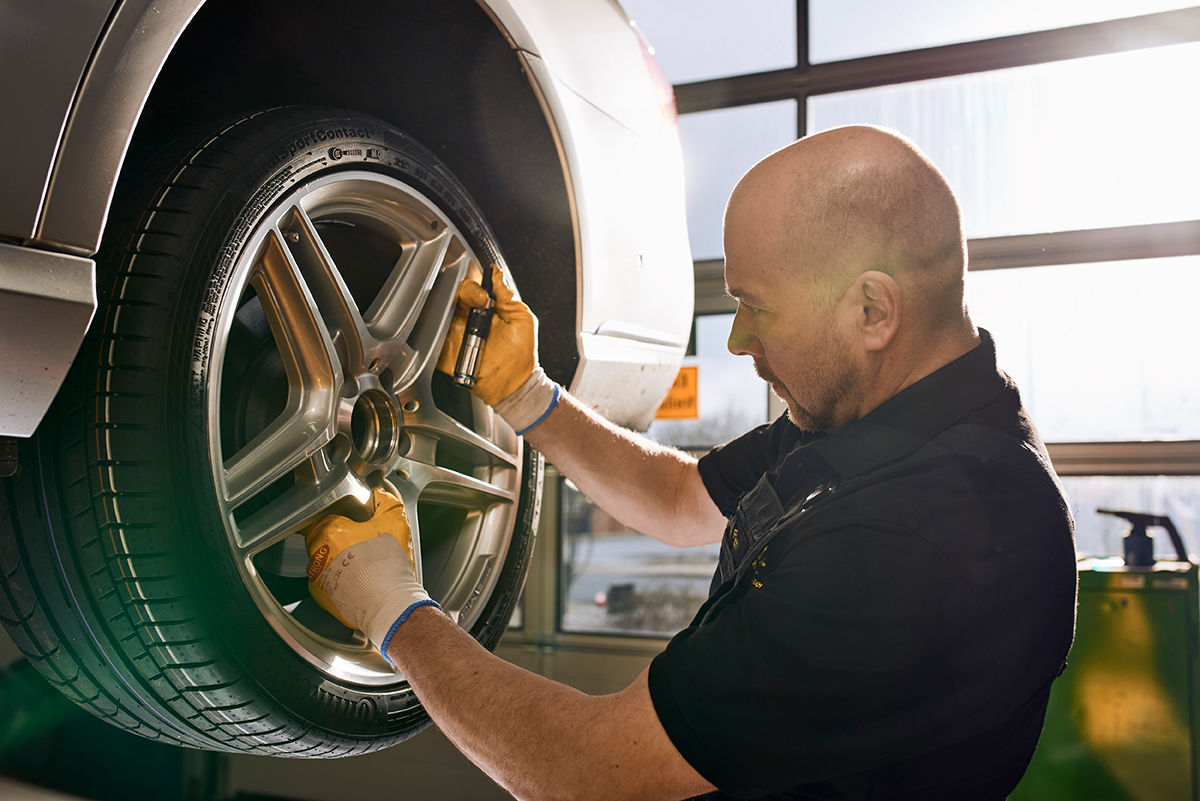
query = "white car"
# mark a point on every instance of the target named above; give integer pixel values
(230, 238)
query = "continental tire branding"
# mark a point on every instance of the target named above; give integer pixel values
(318, 137)
(360, 712)
(317, 562)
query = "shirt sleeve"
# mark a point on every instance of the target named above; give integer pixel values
(821, 666)
(731, 469)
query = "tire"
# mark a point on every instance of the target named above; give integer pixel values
(273, 301)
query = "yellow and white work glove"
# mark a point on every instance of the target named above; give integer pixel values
(363, 573)
(509, 379)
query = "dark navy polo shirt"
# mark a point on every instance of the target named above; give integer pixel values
(891, 604)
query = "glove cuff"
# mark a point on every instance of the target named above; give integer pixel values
(394, 610)
(531, 402)
(387, 638)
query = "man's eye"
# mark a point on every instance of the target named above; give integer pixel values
(754, 310)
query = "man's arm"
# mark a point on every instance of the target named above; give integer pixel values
(537, 738)
(649, 487)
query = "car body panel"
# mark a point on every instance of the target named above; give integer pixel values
(620, 161)
(46, 303)
(129, 57)
(41, 91)
(601, 65)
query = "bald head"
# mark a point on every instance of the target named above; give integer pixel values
(858, 198)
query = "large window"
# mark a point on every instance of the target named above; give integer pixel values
(1102, 352)
(617, 581)
(1088, 143)
(733, 399)
(718, 147)
(844, 29)
(698, 39)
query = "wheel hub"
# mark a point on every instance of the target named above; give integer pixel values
(375, 426)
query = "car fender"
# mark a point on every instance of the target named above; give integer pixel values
(624, 166)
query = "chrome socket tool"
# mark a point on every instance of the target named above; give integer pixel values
(479, 325)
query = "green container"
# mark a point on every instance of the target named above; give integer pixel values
(1122, 718)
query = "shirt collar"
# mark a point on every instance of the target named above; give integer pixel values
(916, 414)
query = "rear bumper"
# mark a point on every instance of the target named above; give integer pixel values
(46, 304)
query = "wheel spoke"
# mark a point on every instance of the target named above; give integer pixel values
(446, 430)
(283, 446)
(394, 311)
(424, 345)
(453, 488)
(308, 355)
(298, 507)
(333, 299)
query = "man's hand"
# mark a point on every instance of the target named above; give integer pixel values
(509, 378)
(510, 355)
(364, 573)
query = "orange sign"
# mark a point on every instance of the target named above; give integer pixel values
(683, 401)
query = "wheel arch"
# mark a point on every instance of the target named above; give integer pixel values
(445, 72)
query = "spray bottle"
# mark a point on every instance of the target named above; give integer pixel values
(1139, 547)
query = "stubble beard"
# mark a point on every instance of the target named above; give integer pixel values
(835, 380)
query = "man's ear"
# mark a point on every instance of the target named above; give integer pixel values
(878, 299)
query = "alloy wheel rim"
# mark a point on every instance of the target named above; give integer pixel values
(323, 350)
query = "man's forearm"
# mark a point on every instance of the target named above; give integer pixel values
(649, 487)
(535, 737)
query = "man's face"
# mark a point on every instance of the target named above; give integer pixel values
(798, 340)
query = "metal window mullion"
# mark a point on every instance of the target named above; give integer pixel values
(1060, 44)
(802, 66)
(1125, 458)
(1018, 50)
(802, 34)
(1124, 243)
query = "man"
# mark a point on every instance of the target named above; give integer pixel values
(896, 585)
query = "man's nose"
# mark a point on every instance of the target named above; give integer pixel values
(741, 342)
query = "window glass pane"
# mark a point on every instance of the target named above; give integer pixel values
(1101, 535)
(1088, 143)
(733, 399)
(718, 147)
(841, 29)
(1101, 352)
(698, 39)
(618, 581)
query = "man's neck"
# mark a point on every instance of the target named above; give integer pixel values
(912, 361)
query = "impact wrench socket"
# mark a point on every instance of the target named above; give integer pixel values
(479, 325)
